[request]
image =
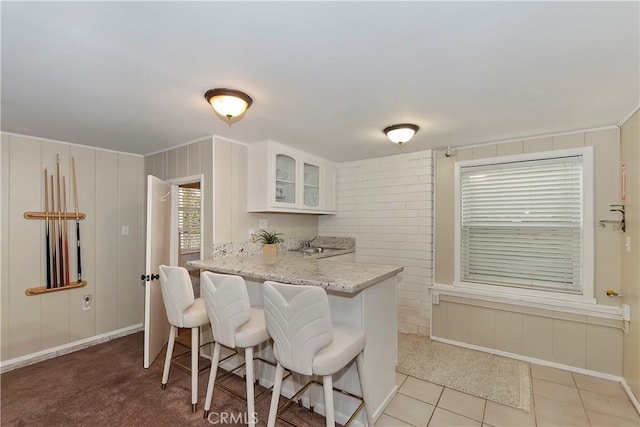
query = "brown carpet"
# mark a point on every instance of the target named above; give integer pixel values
(106, 385)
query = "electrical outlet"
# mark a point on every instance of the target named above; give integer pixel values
(435, 298)
(86, 302)
(125, 230)
(264, 224)
(251, 235)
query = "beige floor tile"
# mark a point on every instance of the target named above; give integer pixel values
(400, 378)
(422, 390)
(554, 413)
(609, 405)
(499, 415)
(462, 403)
(556, 391)
(599, 385)
(552, 374)
(442, 418)
(388, 421)
(603, 420)
(410, 410)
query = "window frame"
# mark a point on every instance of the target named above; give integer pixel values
(198, 210)
(587, 295)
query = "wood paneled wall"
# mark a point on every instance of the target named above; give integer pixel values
(111, 194)
(554, 335)
(606, 155)
(630, 157)
(223, 164)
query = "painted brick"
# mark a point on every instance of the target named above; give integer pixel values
(386, 203)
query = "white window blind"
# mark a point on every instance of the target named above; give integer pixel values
(522, 224)
(189, 218)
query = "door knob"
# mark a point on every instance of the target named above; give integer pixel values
(154, 276)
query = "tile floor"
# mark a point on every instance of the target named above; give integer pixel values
(560, 398)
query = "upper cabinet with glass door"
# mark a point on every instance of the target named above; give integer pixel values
(310, 185)
(283, 179)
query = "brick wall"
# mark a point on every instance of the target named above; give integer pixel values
(386, 203)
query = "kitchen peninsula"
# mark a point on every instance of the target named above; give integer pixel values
(360, 295)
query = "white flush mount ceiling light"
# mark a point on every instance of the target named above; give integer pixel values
(401, 133)
(228, 103)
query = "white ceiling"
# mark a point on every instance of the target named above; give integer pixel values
(326, 77)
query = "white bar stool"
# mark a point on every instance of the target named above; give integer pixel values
(307, 342)
(235, 324)
(183, 311)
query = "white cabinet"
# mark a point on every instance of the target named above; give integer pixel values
(283, 179)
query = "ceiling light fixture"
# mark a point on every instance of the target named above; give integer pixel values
(401, 133)
(228, 103)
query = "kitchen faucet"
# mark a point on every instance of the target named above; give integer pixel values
(308, 242)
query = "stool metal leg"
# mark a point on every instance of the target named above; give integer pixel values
(327, 385)
(312, 396)
(194, 368)
(215, 359)
(364, 389)
(167, 360)
(248, 358)
(275, 396)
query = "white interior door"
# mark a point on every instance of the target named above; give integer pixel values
(159, 247)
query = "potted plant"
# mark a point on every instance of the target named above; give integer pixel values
(270, 241)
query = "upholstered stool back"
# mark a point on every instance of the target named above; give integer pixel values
(299, 322)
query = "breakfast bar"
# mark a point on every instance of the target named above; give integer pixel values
(360, 295)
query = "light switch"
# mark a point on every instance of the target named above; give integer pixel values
(627, 244)
(264, 224)
(125, 230)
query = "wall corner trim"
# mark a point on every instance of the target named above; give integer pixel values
(628, 116)
(39, 356)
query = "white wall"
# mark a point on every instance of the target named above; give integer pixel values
(386, 204)
(111, 195)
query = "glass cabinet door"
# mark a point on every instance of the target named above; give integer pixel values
(285, 185)
(311, 179)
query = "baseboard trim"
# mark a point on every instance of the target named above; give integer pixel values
(378, 412)
(632, 396)
(542, 362)
(39, 356)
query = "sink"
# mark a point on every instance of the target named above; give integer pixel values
(318, 250)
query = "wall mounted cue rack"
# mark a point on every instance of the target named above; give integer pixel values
(56, 236)
(38, 290)
(63, 215)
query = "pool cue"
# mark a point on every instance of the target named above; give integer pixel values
(66, 231)
(60, 249)
(75, 195)
(47, 241)
(54, 239)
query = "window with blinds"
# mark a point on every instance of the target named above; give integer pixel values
(189, 200)
(521, 224)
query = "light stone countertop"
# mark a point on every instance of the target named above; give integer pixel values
(303, 269)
